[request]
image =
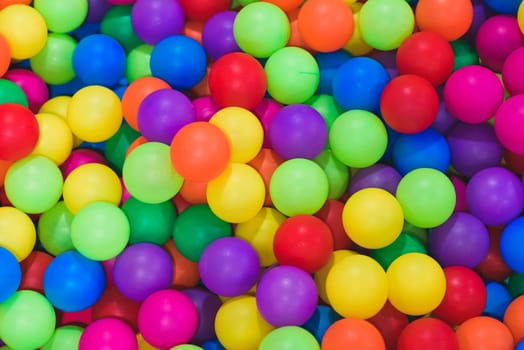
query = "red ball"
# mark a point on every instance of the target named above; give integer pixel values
(303, 241)
(426, 54)
(331, 214)
(18, 131)
(33, 268)
(409, 104)
(465, 296)
(390, 322)
(114, 304)
(493, 267)
(201, 10)
(427, 334)
(237, 79)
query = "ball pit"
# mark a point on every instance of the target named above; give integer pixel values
(261, 174)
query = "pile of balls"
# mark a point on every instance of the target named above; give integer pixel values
(273, 174)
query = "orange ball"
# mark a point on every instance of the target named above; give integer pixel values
(194, 192)
(285, 5)
(185, 272)
(193, 29)
(5, 3)
(266, 162)
(4, 166)
(449, 18)
(353, 333)
(325, 25)
(514, 318)
(5, 55)
(484, 333)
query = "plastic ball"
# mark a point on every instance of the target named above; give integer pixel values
(498, 299)
(405, 243)
(451, 19)
(19, 131)
(512, 70)
(138, 61)
(287, 338)
(427, 333)
(353, 333)
(117, 24)
(96, 10)
(55, 140)
(493, 267)
(338, 174)
(202, 10)
(217, 35)
(237, 79)
(33, 269)
(12, 93)
(329, 63)
(185, 273)
(25, 30)
(207, 305)
(81, 156)
(113, 303)
(64, 338)
(54, 229)
(17, 232)
(320, 276)
(378, 175)
(292, 75)
(409, 104)
(32, 85)
(5, 55)
(509, 242)
(286, 296)
(513, 318)
(62, 17)
(179, 60)
(508, 123)
(484, 332)
(11, 274)
(108, 333)
(265, 111)
(156, 20)
(265, 163)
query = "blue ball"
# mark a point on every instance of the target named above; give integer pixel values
(358, 84)
(10, 274)
(179, 60)
(520, 345)
(506, 7)
(328, 64)
(511, 243)
(426, 149)
(498, 299)
(212, 345)
(99, 60)
(73, 282)
(322, 318)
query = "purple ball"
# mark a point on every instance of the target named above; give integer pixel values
(217, 35)
(444, 121)
(142, 269)
(229, 267)
(207, 305)
(495, 196)
(298, 131)
(162, 113)
(154, 20)
(474, 147)
(96, 10)
(378, 175)
(480, 13)
(286, 296)
(463, 240)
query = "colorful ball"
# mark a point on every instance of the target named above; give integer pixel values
(508, 124)
(484, 331)
(427, 333)
(19, 131)
(117, 24)
(62, 16)
(218, 38)
(55, 139)
(207, 305)
(11, 274)
(32, 85)
(513, 318)
(509, 242)
(17, 232)
(156, 20)
(512, 71)
(353, 333)
(64, 338)
(405, 243)
(451, 19)
(378, 175)
(287, 338)
(54, 229)
(108, 333)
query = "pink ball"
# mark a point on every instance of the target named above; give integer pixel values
(473, 93)
(496, 38)
(108, 333)
(509, 124)
(167, 318)
(125, 193)
(460, 191)
(80, 157)
(513, 72)
(205, 108)
(32, 85)
(265, 111)
(108, 269)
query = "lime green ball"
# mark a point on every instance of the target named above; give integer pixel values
(337, 173)
(54, 63)
(27, 320)
(34, 184)
(419, 233)
(384, 24)
(152, 223)
(292, 75)
(405, 243)
(62, 16)
(358, 138)
(327, 107)
(245, 2)
(427, 197)
(195, 228)
(64, 338)
(464, 54)
(187, 347)
(100, 231)
(289, 338)
(299, 186)
(117, 24)
(12, 93)
(138, 63)
(261, 28)
(54, 229)
(116, 147)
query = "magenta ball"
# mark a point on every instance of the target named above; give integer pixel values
(298, 131)
(108, 333)
(217, 35)
(495, 196)
(378, 175)
(167, 318)
(265, 111)
(207, 305)
(142, 269)
(32, 85)
(460, 192)
(496, 38)
(204, 107)
(162, 113)
(154, 20)
(473, 93)
(509, 124)
(229, 267)
(286, 296)
(81, 156)
(513, 72)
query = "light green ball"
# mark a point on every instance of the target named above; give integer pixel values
(62, 16)
(54, 229)
(54, 63)
(327, 107)
(64, 338)
(187, 347)
(138, 63)
(289, 338)
(337, 173)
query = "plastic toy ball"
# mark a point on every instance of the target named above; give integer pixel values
(484, 331)
(62, 16)
(202, 10)
(508, 123)
(352, 333)
(108, 332)
(427, 333)
(511, 72)
(289, 337)
(154, 20)
(449, 18)
(11, 274)
(64, 337)
(17, 232)
(18, 133)
(218, 37)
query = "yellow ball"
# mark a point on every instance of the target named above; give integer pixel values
(259, 233)
(89, 183)
(520, 17)
(417, 284)
(55, 140)
(239, 325)
(24, 29)
(236, 195)
(94, 113)
(143, 345)
(243, 130)
(356, 44)
(17, 232)
(58, 106)
(373, 218)
(320, 276)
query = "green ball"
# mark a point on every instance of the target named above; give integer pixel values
(138, 63)
(464, 54)
(427, 197)
(54, 63)
(33, 184)
(261, 28)
(289, 338)
(195, 228)
(149, 175)
(405, 243)
(12, 93)
(292, 75)
(358, 138)
(246, 2)
(327, 107)
(515, 284)
(299, 186)
(419, 233)
(187, 347)
(117, 24)
(54, 229)
(100, 231)
(62, 16)
(27, 320)
(151, 223)
(116, 147)
(384, 24)
(64, 338)
(337, 173)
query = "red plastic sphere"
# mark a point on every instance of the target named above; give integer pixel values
(390, 322)
(18, 131)
(331, 214)
(428, 334)
(493, 267)
(33, 268)
(114, 304)
(201, 10)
